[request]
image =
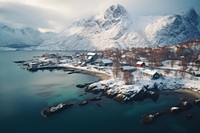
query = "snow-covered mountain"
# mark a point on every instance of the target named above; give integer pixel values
(115, 28)
(21, 37)
(174, 29)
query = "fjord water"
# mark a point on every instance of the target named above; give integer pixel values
(24, 94)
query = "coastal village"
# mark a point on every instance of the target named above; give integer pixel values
(127, 75)
(113, 66)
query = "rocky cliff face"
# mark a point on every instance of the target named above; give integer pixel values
(114, 28)
(174, 29)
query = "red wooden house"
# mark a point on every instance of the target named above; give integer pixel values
(140, 64)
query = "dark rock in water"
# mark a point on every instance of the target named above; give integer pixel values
(22, 61)
(70, 72)
(197, 102)
(189, 117)
(82, 94)
(120, 98)
(140, 96)
(80, 85)
(84, 103)
(77, 71)
(143, 94)
(90, 88)
(95, 99)
(83, 85)
(55, 109)
(150, 118)
(185, 105)
(99, 105)
(174, 110)
(95, 91)
(153, 96)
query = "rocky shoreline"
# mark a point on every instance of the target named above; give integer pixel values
(146, 92)
(184, 105)
(118, 90)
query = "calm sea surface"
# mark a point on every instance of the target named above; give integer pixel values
(24, 94)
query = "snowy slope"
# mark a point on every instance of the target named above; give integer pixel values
(174, 29)
(115, 28)
(20, 38)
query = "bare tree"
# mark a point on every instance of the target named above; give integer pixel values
(116, 63)
(176, 74)
(172, 60)
(183, 66)
(127, 77)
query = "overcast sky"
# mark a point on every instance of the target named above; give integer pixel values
(53, 15)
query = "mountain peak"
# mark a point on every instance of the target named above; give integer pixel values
(115, 11)
(191, 11)
(115, 29)
(191, 16)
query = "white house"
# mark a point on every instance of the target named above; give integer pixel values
(153, 74)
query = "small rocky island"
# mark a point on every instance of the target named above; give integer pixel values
(174, 110)
(55, 109)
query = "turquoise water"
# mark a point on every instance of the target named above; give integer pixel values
(24, 94)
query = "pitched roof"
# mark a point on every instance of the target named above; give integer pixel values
(150, 72)
(106, 61)
(128, 68)
(91, 54)
(140, 62)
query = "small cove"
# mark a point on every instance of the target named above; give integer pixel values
(24, 94)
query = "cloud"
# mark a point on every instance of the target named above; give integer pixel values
(30, 16)
(55, 14)
(49, 14)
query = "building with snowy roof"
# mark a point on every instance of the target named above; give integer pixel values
(91, 57)
(140, 64)
(105, 62)
(153, 74)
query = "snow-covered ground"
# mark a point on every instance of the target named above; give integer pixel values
(168, 81)
(142, 79)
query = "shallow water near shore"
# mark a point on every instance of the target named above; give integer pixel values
(24, 94)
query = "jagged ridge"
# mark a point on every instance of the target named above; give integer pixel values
(114, 28)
